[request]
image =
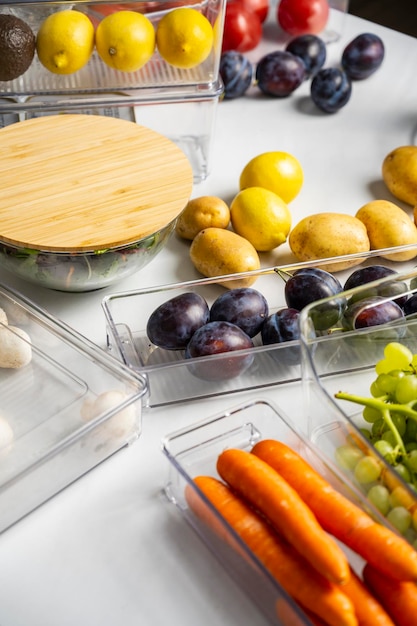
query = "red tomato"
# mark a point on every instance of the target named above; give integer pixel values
(242, 28)
(260, 7)
(300, 17)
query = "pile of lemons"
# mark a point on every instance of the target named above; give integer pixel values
(227, 239)
(125, 40)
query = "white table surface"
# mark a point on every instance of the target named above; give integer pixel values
(110, 549)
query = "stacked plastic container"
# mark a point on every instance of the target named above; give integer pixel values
(192, 94)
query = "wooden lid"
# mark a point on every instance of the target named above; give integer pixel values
(74, 182)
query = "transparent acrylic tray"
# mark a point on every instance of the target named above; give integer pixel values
(167, 371)
(344, 361)
(193, 451)
(66, 405)
(155, 81)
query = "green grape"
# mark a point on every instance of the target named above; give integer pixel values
(347, 456)
(412, 460)
(376, 390)
(380, 497)
(406, 389)
(366, 433)
(399, 422)
(411, 430)
(367, 470)
(371, 415)
(410, 446)
(401, 469)
(400, 518)
(389, 437)
(397, 356)
(378, 428)
(387, 383)
(385, 449)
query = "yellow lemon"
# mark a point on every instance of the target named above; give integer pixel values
(277, 171)
(184, 37)
(125, 40)
(65, 41)
(260, 216)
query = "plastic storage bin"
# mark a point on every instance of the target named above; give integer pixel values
(194, 450)
(344, 361)
(66, 406)
(138, 96)
(167, 371)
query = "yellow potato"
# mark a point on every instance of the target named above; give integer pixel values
(328, 235)
(200, 213)
(389, 226)
(217, 252)
(399, 171)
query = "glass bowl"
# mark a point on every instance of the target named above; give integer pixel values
(83, 271)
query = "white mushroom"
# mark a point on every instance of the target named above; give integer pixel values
(15, 347)
(121, 423)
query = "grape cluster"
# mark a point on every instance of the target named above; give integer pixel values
(390, 416)
(281, 72)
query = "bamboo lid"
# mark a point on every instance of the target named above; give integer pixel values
(75, 182)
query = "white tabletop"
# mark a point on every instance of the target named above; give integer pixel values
(110, 549)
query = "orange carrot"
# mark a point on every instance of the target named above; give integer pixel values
(264, 488)
(383, 548)
(301, 581)
(399, 598)
(367, 608)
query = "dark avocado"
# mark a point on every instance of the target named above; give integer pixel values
(17, 46)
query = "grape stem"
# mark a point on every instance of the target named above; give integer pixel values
(380, 405)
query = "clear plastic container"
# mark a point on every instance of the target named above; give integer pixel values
(194, 450)
(168, 373)
(96, 78)
(150, 96)
(66, 406)
(340, 360)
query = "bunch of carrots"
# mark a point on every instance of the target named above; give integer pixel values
(290, 517)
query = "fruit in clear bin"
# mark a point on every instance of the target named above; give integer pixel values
(245, 307)
(372, 311)
(200, 213)
(399, 172)
(219, 252)
(300, 17)
(65, 41)
(309, 285)
(388, 226)
(236, 72)
(260, 216)
(363, 56)
(216, 338)
(125, 40)
(327, 235)
(280, 73)
(277, 171)
(281, 327)
(17, 47)
(365, 275)
(184, 37)
(330, 89)
(311, 50)
(242, 29)
(174, 322)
